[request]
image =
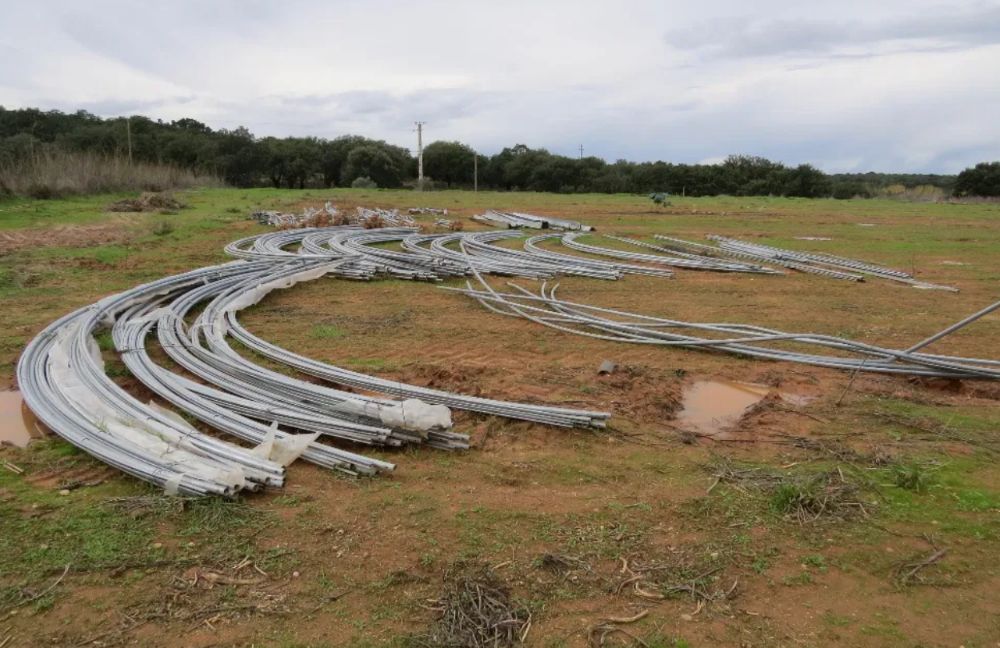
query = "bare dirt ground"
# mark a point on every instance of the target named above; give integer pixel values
(864, 514)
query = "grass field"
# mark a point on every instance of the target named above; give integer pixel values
(868, 517)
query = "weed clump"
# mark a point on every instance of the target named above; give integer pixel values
(827, 494)
(804, 497)
(476, 610)
(913, 477)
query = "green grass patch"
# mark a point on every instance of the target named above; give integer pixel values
(43, 532)
(954, 502)
(328, 332)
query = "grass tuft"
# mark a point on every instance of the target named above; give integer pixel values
(913, 477)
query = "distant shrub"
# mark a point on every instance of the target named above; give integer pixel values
(848, 190)
(660, 198)
(363, 182)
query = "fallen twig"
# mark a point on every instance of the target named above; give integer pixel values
(45, 591)
(914, 568)
(631, 619)
(326, 600)
(17, 470)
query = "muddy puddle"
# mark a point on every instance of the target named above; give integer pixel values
(712, 408)
(18, 425)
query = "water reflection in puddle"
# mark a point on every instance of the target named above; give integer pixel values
(18, 425)
(711, 407)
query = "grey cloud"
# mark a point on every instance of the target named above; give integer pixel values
(113, 107)
(948, 29)
(438, 105)
(378, 114)
(315, 69)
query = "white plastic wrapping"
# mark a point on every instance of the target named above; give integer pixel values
(412, 414)
(251, 297)
(285, 449)
(288, 449)
(166, 444)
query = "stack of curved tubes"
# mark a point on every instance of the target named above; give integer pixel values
(676, 244)
(813, 259)
(807, 257)
(278, 417)
(689, 262)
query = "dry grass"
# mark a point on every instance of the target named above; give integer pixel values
(147, 201)
(477, 610)
(54, 173)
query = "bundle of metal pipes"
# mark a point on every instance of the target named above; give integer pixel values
(520, 220)
(438, 256)
(828, 265)
(416, 211)
(678, 245)
(277, 417)
(740, 339)
(689, 261)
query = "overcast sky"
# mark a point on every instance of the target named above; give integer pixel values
(895, 85)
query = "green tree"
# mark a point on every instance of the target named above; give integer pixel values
(449, 162)
(555, 173)
(980, 180)
(333, 154)
(806, 181)
(372, 161)
(751, 175)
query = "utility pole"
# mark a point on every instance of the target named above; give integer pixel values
(475, 171)
(420, 155)
(128, 135)
(581, 151)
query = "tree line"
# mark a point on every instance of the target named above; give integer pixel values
(240, 159)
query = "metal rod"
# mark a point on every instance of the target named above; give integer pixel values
(954, 327)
